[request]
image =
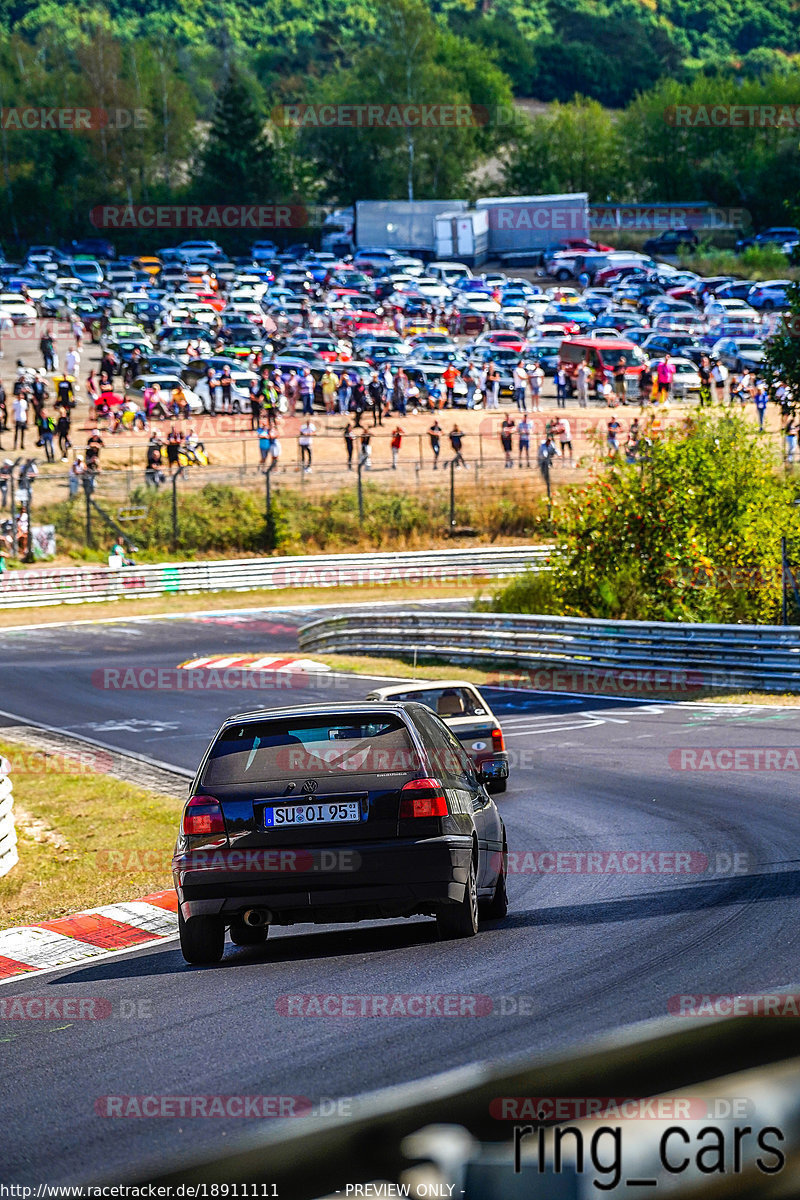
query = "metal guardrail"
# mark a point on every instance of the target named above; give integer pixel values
(572, 654)
(8, 834)
(78, 585)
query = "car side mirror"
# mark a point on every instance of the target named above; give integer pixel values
(492, 769)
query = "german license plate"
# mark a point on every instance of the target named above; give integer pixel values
(312, 814)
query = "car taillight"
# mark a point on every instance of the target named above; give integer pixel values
(423, 798)
(498, 742)
(202, 816)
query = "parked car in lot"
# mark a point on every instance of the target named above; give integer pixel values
(602, 357)
(340, 813)
(167, 383)
(672, 242)
(466, 711)
(769, 295)
(738, 353)
(776, 235)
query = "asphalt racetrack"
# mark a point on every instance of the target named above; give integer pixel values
(587, 947)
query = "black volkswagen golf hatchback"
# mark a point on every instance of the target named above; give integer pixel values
(327, 813)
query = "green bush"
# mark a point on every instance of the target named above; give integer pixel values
(691, 534)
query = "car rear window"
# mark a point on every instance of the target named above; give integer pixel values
(270, 751)
(445, 701)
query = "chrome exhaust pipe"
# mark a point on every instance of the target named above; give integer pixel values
(255, 917)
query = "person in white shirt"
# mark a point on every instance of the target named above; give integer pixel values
(520, 386)
(582, 380)
(307, 431)
(72, 363)
(20, 419)
(536, 377)
(564, 436)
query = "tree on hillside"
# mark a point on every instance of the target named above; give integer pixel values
(574, 147)
(409, 60)
(237, 161)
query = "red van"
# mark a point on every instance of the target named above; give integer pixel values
(602, 355)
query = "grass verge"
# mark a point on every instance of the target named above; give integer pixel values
(68, 828)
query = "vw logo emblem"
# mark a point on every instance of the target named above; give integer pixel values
(310, 785)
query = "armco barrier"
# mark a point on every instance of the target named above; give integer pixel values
(562, 652)
(19, 589)
(8, 834)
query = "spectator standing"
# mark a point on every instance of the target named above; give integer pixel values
(506, 436)
(704, 371)
(47, 348)
(63, 424)
(524, 434)
(621, 382)
(47, 427)
(537, 381)
(563, 431)
(365, 457)
(264, 443)
(719, 376)
(329, 386)
(761, 399)
(307, 392)
(582, 382)
(348, 444)
(456, 436)
(547, 452)
(665, 372)
(255, 403)
(5, 479)
(520, 385)
(435, 436)
(561, 387)
(304, 440)
(376, 397)
(396, 443)
(612, 437)
(492, 385)
(20, 418)
(449, 379)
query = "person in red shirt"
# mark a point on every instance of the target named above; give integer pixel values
(449, 379)
(396, 443)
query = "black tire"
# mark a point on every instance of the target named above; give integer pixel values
(497, 787)
(249, 935)
(202, 939)
(563, 275)
(497, 908)
(461, 920)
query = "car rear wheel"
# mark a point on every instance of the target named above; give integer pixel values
(202, 939)
(497, 907)
(249, 935)
(461, 920)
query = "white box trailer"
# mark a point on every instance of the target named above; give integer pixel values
(407, 225)
(518, 224)
(463, 236)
